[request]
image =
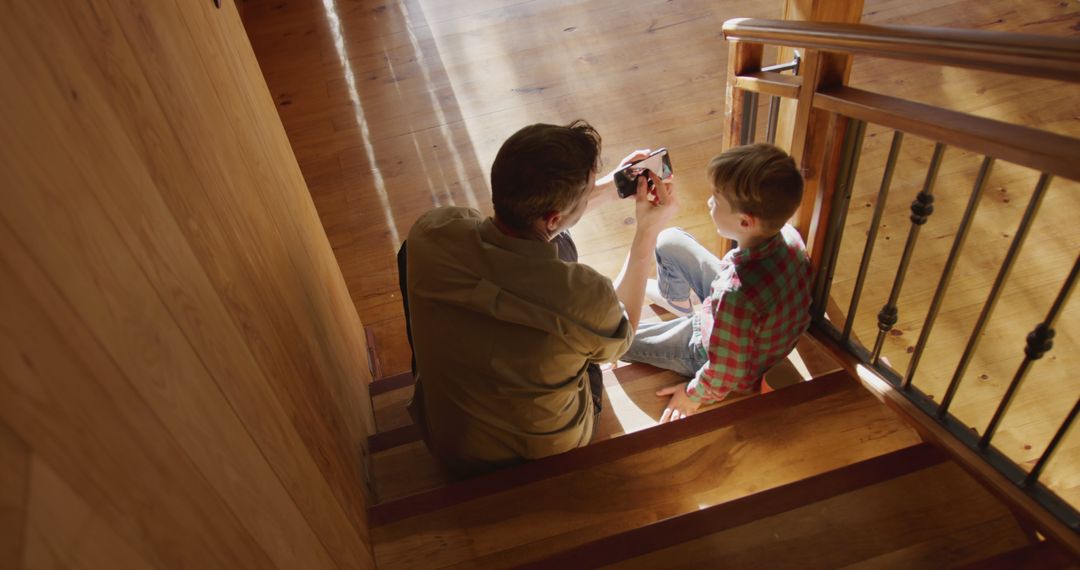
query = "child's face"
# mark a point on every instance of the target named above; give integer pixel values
(727, 221)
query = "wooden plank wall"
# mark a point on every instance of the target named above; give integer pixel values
(183, 379)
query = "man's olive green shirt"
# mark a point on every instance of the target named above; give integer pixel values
(502, 332)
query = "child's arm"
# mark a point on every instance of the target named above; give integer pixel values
(731, 363)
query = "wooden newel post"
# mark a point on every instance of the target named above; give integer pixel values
(812, 135)
(815, 144)
(743, 58)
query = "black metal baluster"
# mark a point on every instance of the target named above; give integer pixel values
(849, 163)
(1037, 470)
(950, 265)
(1039, 342)
(875, 224)
(995, 291)
(921, 208)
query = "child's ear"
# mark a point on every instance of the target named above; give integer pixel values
(750, 223)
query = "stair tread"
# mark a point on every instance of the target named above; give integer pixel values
(773, 446)
(388, 400)
(629, 405)
(404, 477)
(391, 395)
(909, 508)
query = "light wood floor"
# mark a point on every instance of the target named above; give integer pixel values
(396, 107)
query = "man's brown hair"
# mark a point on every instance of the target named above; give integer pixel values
(760, 180)
(542, 168)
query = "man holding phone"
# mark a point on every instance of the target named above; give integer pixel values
(504, 322)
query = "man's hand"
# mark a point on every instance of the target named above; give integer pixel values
(680, 404)
(654, 209)
(606, 180)
(656, 205)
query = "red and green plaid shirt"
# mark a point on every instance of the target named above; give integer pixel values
(758, 306)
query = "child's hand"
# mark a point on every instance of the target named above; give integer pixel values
(680, 404)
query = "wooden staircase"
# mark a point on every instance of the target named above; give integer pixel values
(819, 474)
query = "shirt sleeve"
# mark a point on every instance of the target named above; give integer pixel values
(612, 346)
(731, 347)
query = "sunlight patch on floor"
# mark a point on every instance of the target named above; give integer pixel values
(444, 129)
(631, 418)
(332, 19)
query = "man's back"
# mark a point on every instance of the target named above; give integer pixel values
(502, 332)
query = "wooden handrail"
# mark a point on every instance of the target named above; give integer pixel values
(1034, 148)
(1020, 54)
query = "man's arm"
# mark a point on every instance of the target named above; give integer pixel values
(653, 213)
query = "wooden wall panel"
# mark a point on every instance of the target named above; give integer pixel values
(63, 531)
(14, 474)
(178, 347)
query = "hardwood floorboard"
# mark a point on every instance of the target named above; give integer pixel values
(394, 108)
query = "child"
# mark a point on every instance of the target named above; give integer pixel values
(756, 300)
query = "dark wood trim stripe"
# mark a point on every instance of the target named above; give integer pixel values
(683, 528)
(1044, 555)
(390, 383)
(392, 438)
(608, 450)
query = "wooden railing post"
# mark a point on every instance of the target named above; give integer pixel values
(743, 57)
(842, 11)
(815, 144)
(801, 132)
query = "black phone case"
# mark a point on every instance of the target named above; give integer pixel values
(626, 186)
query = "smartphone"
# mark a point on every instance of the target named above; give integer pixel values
(626, 177)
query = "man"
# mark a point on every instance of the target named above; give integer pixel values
(504, 322)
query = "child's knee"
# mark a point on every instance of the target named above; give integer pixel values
(671, 239)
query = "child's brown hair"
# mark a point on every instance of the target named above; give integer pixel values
(760, 180)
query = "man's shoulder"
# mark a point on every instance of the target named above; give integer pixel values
(574, 285)
(446, 216)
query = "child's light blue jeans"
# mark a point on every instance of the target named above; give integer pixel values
(682, 265)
